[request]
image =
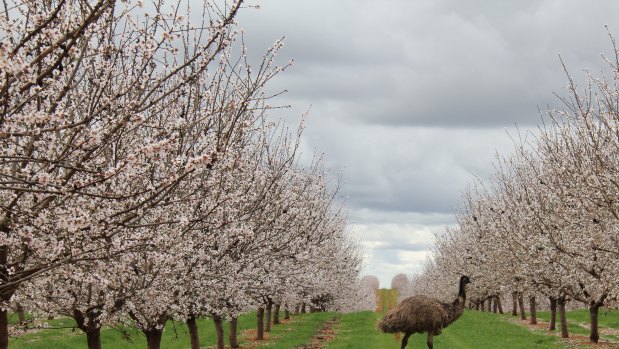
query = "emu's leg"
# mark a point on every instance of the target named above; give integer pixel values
(430, 336)
(405, 340)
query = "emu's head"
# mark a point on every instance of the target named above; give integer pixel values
(464, 280)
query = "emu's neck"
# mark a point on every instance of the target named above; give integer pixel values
(459, 302)
(462, 292)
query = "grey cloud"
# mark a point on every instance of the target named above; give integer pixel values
(407, 169)
(410, 98)
(403, 247)
(432, 63)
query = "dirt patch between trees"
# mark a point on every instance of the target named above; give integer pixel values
(575, 341)
(326, 334)
(319, 341)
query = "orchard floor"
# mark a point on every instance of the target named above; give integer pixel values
(354, 330)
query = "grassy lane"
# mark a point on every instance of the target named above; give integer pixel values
(355, 330)
(291, 334)
(578, 323)
(175, 336)
(298, 332)
(486, 330)
(358, 330)
(474, 330)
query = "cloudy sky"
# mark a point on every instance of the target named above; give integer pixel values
(412, 98)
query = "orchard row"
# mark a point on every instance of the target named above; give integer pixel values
(141, 179)
(546, 224)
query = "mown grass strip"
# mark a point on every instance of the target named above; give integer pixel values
(175, 336)
(472, 331)
(296, 332)
(358, 330)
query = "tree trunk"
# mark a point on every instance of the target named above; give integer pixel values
(523, 315)
(303, 308)
(21, 314)
(533, 308)
(268, 316)
(276, 314)
(219, 331)
(93, 337)
(495, 305)
(514, 303)
(499, 304)
(194, 337)
(153, 338)
(260, 324)
(297, 309)
(286, 312)
(561, 302)
(553, 314)
(90, 325)
(593, 315)
(489, 309)
(4, 328)
(234, 341)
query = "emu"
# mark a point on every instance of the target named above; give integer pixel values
(418, 314)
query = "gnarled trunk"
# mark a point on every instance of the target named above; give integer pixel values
(93, 338)
(194, 337)
(234, 341)
(5, 293)
(561, 303)
(276, 314)
(514, 303)
(219, 331)
(499, 304)
(4, 329)
(594, 308)
(286, 312)
(88, 322)
(152, 330)
(260, 324)
(21, 314)
(153, 338)
(268, 316)
(533, 308)
(553, 314)
(523, 315)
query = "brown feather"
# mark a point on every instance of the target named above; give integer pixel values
(420, 313)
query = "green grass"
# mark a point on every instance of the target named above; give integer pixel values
(175, 336)
(297, 332)
(473, 330)
(358, 330)
(289, 335)
(578, 322)
(355, 330)
(606, 318)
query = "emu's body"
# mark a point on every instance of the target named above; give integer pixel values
(418, 314)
